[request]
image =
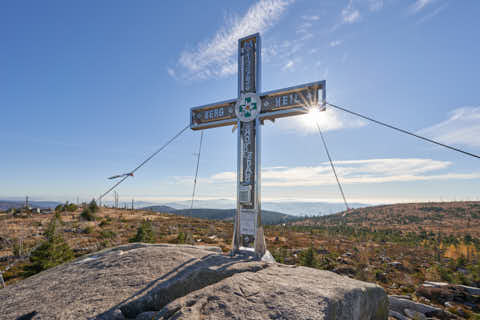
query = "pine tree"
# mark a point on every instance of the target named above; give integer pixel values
(144, 233)
(52, 252)
(307, 258)
(93, 206)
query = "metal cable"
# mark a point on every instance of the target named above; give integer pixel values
(196, 171)
(331, 164)
(405, 131)
(144, 162)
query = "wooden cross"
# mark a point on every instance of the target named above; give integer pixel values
(248, 112)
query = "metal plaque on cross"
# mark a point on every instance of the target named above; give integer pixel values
(248, 111)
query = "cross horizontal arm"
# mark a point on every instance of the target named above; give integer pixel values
(292, 101)
(217, 114)
(280, 103)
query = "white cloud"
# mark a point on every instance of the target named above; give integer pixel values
(288, 65)
(303, 28)
(216, 57)
(462, 127)
(375, 5)
(432, 14)
(225, 176)
(335, 43)
(286, 49)
(353, 172)
(350, 14)
(419, 5)
(171, 72)
(311, 18)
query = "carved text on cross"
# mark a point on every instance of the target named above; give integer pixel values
(275, 104)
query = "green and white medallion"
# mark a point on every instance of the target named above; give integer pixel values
(248, 107)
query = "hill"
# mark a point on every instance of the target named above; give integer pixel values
(9, 204)
(268, 217)
(291, 207)
(163, 209)
(453, 218)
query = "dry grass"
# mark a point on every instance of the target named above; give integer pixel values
(363, 245)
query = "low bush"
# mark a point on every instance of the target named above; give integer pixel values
(144, 233)
(107, 234)
(93, 206)
(88, 230)
(88, 215)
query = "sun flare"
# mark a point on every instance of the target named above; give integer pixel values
(313, 117)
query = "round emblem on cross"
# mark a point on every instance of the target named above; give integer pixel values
(248, 107)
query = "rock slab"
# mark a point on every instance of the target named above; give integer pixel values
(186, 282)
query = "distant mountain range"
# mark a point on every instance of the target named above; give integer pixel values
(268, 217)
(295, 208)
(8, 204)
(291, 208)
(272, 212)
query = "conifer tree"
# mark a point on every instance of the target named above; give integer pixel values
(52, 252)
(144, 233)
(307, 258)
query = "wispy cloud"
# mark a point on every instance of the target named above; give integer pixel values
(311, 17)
(215, 57)
(335, 43)
(419, 5)
(462, 127)
(350, 14)
(354, 172)
(432, 14)
(304, 30)
(284, 52)
(303, 27)
(171, 72)
(375, 5)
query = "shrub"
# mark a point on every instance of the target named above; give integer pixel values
(88, 215)
(280, 254)
(104, 223)
(88, 230)
(181, 238)
(70, 207)
(18, 248)
(93, 206)
(58, 216)
(444, 274)
(107, 234)
(144, 233)
(307, 258)
(53, 251)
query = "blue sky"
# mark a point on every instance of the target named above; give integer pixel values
(89, 89)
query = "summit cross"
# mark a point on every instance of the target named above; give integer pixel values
(248, 112)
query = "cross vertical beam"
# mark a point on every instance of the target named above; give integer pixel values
(248, 229)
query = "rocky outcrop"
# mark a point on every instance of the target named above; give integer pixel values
(282, 292)
(139, 281)
(401, 308)
(450, 295)
(450, 301)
